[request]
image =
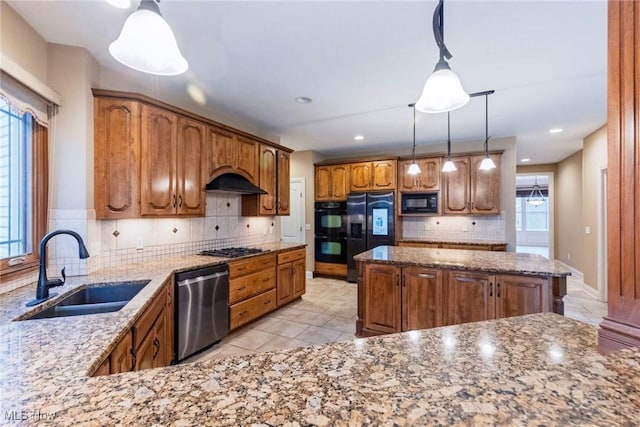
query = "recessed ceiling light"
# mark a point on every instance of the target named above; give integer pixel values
(358, 137)
(556, 130)
(303, 100)
(525, 160)
(121, 4)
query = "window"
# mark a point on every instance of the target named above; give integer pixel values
(530, 217)
(23, 190)
(15, 183)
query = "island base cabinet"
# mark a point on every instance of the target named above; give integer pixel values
(422, 298)
(382, 299)
(520, 295)
(470, 297)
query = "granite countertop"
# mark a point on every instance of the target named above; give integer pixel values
(452, 241)
(458, 259)
(536, 369)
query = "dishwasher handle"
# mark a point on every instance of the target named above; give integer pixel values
(215, 276)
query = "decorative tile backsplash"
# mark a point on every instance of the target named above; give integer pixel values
(454, 227)
(132, 241)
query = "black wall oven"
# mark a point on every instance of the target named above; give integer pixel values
(331, 232)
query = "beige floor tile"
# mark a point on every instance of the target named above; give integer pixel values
(279, 343)
(230, 351)
(288, 313)
(282, 327)
(346, 336)
(318, 335)
(339, 323)
(311, 318)
(250, 339)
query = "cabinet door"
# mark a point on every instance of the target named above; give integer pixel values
(247, 164)
(323, 183)
(383, 175)
(285, 283)
(360, 176)
(191, 180)
(159, 343)
(406, 182)
(117, 157)
(121, 360)
(382, 298)
(283, 205)
(221, 152)
(169, 317)
(144, 353)
(159, 134)
(339, 182)
(422, 298)
(520, 295)
(299, 277)
(456, 188)
(485, 186)
(429, 176)
(103, 369)
(470, 297)
(267, 180)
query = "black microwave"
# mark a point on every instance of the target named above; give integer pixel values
(419, 203)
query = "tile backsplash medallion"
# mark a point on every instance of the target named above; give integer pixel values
(454, 227)
(132, 241)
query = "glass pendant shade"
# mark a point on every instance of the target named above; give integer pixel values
(449, 166)
(414, 169)
(487, 164)
(148, 44)
(442, 92)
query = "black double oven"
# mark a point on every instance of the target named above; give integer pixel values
(331, 232)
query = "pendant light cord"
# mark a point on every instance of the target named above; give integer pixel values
(486, 124)
(413, 150)
(438, 31)
(448, 135)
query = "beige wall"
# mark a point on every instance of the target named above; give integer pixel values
(594, 160)
(568, 236)
(21, 43)
(302, 167)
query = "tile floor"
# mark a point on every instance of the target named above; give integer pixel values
(327, 313)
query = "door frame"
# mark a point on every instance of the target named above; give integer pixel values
(302, 202)
(602, 235)
(552, 209)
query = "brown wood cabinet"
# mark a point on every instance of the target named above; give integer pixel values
(500, 247)
(394, 298)
(171, 161)
(252, 289)
(427, 180)
(372, 176)
(469, 190)
(151, 351)
(117, 156)
(331, 182)
(274, 179)
(230, 153)
(330, 269)
(291, 275)
(122, 356)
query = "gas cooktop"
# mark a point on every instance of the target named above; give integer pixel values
(231, 252)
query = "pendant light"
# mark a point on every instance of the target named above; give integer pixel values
(449, 166)
(414, 169)
(536, 198)
(487, 163)
(148, 44)
(443, 90)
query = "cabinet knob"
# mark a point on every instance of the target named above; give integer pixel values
(498, 290)
(180, 200)
(174, 200)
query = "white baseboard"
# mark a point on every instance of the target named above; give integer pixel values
(308, 274)
(583, 286)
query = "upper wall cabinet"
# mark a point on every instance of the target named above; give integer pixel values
(469, 190)
(373, 176)
(427, 180)
(117, 158)
(274, 179)
(331, 182)
(154, 159)
(229, 153)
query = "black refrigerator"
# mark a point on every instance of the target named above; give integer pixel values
(369, 224)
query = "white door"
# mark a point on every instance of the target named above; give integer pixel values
(292, 226)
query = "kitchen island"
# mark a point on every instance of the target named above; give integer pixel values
(405, 288)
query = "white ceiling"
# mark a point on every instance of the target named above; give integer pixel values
(362, 62)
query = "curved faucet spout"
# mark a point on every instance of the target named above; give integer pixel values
(42, 289)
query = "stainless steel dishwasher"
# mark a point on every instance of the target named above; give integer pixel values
(202, 306)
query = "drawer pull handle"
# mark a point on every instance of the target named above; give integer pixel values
(244, 313)
(239, 289)
(156, 345)
(267, 302)
(134, 360)
(498, 290)
(241, 268)
(265, 280)
(490, 289)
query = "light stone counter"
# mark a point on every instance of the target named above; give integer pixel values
(453, 241)
(458, 259)
(537, 369)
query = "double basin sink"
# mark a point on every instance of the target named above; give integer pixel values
(101, 298)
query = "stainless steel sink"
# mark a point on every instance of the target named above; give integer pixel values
(101, 298)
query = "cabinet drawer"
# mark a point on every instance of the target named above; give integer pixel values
(145, 322)
(240, 268)
(331, 269)
(252, 284)
(252, 308)
(291, 256)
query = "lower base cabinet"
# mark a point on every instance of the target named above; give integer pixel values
(291, 276)
(397, 298)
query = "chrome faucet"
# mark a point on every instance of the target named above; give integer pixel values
(42, 290)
